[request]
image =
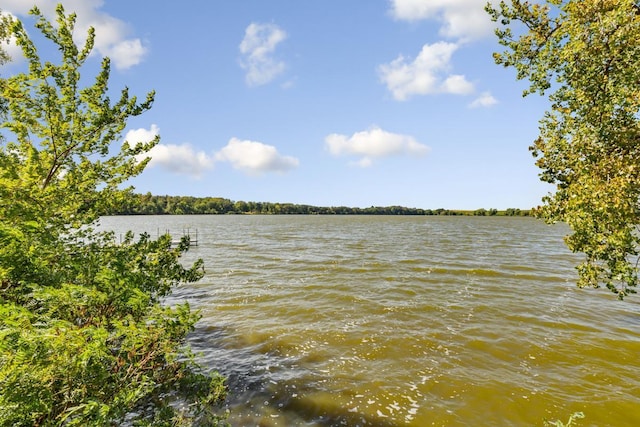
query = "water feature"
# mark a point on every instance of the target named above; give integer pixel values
(405, 321)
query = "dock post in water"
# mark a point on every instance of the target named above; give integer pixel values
(185, 232)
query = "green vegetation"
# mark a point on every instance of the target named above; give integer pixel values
(147, 204)
(84, 338)
(586, 54)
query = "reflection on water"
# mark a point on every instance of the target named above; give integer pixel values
(405, 321)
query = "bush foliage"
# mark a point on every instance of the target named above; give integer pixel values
(586, 56)
(84, 336)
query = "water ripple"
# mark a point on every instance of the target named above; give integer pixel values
(405, 321)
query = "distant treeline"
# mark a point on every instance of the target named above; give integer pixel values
(148, 204)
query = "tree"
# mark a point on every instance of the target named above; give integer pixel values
(84, 338)
(585, 54)
(5, 23)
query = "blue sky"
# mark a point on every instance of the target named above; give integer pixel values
(319, 102)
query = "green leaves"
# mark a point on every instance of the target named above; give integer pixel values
(84, 339)
(589, 143)
(88, 336)
(61, 131)
(54, 371)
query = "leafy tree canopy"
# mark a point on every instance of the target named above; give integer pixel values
(585, 54)
(84, 338)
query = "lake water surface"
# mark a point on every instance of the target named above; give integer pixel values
(405, 321)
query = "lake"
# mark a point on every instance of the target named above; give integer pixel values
(404, 321)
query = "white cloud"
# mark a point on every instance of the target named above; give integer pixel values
(22, 7)
(425, 75)
(10, 47)
(374, 143)
(257, 49)
(255, 158)
(111, 33)
(142, 135)
(484, 100)
(457, 84)
(460, 19)
(123, 53)
(179, 159)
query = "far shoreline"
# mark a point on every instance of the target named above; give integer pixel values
(148, 204)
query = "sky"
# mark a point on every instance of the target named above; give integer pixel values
(320, 102)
